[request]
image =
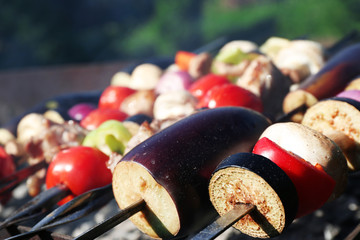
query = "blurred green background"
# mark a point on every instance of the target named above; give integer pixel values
(57, 32)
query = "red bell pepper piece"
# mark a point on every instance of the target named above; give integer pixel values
(183, 58)
(314, 186)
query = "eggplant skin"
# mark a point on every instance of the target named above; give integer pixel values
(354, 103)
(182, 157)
(245, 173)
(335, 74)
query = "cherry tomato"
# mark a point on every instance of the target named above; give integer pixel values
(231, 95)
(113, 96)
(96, 117)
(314, 186)
(201, 86)
(80, 169)
(7, 167)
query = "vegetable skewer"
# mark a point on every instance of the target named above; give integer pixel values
(65, 180)
(224, 138)
(67, 101)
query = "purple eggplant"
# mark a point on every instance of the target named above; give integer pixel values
(335, 75)
(171, 170)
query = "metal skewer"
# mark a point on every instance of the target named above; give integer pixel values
(341, 43)
(78, 207)
(71, 211)
(355, 234)
(239, 211)
(212, 46)
(111, 222)
(10, 182)
(38, 205)
(224, 222)
(210, 232)
(287, 117)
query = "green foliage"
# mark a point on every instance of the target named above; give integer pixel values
(218, 19)
(64, 31)
(292, 18)
(319, 19)
(171, 24)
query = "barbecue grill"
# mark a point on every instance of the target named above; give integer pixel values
(336, 220)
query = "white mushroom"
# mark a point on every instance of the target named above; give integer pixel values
(174, 104)
(145, 76)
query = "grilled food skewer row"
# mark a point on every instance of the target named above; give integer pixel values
(313, 164)
(332, 78)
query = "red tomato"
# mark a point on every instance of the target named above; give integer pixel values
(231, 95)
(7, 167)
(96, 117)
(80, 169)
(113, 96)
(314, 186)
(201, 86)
